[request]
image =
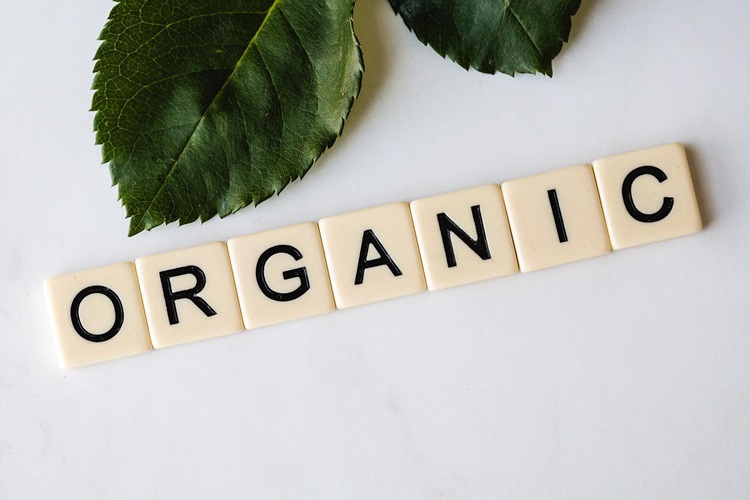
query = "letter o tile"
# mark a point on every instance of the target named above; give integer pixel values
(97, 315)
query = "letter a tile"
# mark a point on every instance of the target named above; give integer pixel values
(372, 255)
(464, 237)
(647, 196)
(97, 315)
(189, 295)
(556, 218)
(281, 275)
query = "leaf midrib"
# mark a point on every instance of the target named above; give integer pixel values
(203, 115)
(526, 32)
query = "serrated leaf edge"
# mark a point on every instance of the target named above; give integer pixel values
(136, 228)
(445, 55)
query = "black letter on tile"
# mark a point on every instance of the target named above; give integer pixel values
(554, 203)
(478, 246)
(76, 318)
(369, 238)
(627, 195)
(191, 294)
(300, 273)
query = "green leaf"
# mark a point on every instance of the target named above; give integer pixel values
(511, 36)
(206, 106)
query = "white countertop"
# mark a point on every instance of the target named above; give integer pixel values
(625, 376)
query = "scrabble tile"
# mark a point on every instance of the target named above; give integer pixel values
(464, 237)
(281, 275)
(189, 295)
(647, 196)
(556, 218)
(372, 255)
(97, 315)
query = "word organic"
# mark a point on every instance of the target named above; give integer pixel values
(379, 253)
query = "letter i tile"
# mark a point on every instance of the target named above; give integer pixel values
(281, 275)
(189, 295)
(647, 196)
(556, 218)
(97, 315)
(464, 237)
(372, 255)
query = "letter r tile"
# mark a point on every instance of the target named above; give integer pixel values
(281, 275)
(189, 295)
(647, 196)
(97, 315)
(372, 255)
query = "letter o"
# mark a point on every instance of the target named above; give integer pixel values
(76, 318)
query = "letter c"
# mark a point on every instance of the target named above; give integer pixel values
(627, 195)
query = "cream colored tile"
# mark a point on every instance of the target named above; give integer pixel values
(556, 218)
(281, 275)
(647, 196)
(189, 295)
(372, 255)
(464, 237)
(97, 315)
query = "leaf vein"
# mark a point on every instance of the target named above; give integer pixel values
(165, 27)
(280, 103)
(526, 32)
(172, 169)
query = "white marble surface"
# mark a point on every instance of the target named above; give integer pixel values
(626, 376)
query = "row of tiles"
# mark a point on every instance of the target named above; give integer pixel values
(375, 254)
